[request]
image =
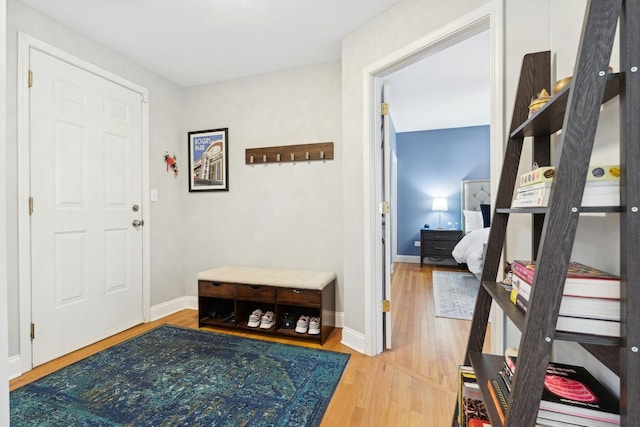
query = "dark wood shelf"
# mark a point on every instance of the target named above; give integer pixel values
(486, 367)
(549, 118)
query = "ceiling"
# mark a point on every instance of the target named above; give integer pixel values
(196, 42)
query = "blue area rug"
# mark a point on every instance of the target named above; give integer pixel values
(172, 376)
(454, 294)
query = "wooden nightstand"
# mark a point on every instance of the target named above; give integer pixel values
(438, 243)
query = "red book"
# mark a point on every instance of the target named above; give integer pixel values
(582, 280)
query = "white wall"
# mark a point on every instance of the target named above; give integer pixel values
(4, 341)
(285, 215)
(405, 23)
(166, 134)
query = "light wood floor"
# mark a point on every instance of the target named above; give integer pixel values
(411, 385)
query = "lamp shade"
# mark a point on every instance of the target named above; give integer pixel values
(439, 204)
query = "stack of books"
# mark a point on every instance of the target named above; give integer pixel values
(472, 411)
(571, 396)
(602, 187)
(590, 302)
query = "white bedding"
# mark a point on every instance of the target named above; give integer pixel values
(470, 250)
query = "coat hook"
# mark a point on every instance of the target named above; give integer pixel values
(306, 155)
(278, 157)
(250, 159)
(264, 158)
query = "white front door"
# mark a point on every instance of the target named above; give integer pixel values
(86, 185)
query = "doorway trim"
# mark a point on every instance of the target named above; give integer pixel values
(489, 17)
(25, 44)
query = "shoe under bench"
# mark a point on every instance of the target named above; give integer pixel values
(228, 295)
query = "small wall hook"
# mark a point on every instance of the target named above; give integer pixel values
(250, 159)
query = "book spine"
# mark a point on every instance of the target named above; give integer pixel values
(522, 271)
(531, 202)
(542, 174)
(522, 303)
(498, 398)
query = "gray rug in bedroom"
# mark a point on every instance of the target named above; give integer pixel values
(455, 294)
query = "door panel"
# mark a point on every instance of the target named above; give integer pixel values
(86, 257)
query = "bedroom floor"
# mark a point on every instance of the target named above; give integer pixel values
(412, 384)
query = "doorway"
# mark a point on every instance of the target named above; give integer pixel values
(487, 18)
(83, 162)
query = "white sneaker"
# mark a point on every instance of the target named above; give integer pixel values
(314, 326)
(255, 318)
(268, 320)
(302, 325)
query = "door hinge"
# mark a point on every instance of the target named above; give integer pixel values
(384, 108)
(384, 208)
(30, 78)
(30, 205)
(33, 331)
(386, 306)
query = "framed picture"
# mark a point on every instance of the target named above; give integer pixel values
(209, 160)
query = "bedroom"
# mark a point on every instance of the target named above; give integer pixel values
(333, 191)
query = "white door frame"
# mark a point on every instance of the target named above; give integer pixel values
(491, 17)
(25, 43)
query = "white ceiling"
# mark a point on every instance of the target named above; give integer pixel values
(195, 42)
(448, 89)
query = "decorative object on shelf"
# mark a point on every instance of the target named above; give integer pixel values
(171, 162)
(439, 204)
(542, 98)
(560, 84)
(289, 153)
(209, 160)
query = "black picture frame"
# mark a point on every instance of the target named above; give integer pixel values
(209, 160)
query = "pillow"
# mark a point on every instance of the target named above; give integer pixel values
(472, 220)
(486, 215)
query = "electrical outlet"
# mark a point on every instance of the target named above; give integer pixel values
(416, 243)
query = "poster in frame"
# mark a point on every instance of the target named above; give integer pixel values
(209, 160)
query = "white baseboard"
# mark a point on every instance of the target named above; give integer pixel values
(339, 319)
(412, 259)
(173, 306)
(15, 366)
(353, 339)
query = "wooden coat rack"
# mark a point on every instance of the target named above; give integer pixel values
(289, 153)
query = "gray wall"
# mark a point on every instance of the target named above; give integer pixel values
(284, 215)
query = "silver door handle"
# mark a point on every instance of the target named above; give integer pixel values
(137, 223)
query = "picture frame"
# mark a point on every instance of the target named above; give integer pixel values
(209, 160)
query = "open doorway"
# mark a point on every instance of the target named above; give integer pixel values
(484, 20)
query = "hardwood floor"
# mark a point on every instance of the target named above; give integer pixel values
(411, 385)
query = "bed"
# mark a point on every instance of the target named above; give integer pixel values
(476, 220)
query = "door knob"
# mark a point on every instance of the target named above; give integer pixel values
(138, 222)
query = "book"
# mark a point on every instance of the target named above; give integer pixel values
(581, 325)
(473, 403)
(474, 422)
(499, 400)
(605, 193)
(596, 173)
(466, 376)
(582, 280)
(568, 421)
(577, 306)
(572, 390)
(541, 174)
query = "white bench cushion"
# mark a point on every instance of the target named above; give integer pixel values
(279, 277)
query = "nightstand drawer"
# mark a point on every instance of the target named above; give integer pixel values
(448, 235)
(438, 248)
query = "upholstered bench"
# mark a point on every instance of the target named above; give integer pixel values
(228, 295)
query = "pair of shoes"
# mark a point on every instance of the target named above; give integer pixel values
(305, 324)
(264, 320)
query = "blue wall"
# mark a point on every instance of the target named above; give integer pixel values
(431, 164)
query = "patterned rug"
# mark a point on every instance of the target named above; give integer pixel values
(173, 376)
(455, 294)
